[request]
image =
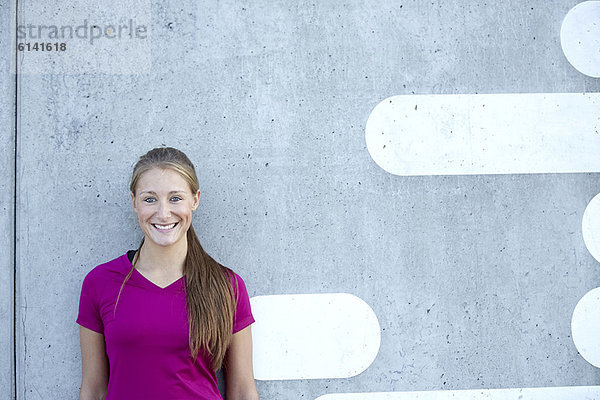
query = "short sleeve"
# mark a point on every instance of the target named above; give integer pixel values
(89, 312)
(243, 313)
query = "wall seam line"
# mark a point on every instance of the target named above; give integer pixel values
(15, 182)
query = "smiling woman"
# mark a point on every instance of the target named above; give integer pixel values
(164, 206)
(158, 322)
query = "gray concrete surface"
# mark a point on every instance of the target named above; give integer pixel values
(473, 278)
(7, 177)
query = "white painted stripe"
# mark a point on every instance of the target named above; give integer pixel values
(580, 37)
(585, 327)
(544, 393)
(486, 133)
(313, 336)
(590, 227)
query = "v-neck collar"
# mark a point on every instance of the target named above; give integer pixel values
(178, 284)
(175, 283)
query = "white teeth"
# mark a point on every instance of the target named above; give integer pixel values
(164, 227)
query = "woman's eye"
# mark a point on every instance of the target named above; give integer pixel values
(175, 198)
(149, 200)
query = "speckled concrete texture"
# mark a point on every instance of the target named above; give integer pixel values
(473, 278)
(7, 177)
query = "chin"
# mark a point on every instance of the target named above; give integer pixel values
(166, 243)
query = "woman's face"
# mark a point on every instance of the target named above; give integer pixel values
(164, 203)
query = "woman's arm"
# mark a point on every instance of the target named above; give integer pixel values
(94, 365)
(239, 375)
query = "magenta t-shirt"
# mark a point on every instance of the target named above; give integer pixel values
(147, 339)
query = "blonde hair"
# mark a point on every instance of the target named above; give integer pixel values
(210, 299)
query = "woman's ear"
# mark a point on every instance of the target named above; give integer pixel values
(132, 200)
(196, 200)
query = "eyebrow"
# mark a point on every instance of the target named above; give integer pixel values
(171, 192)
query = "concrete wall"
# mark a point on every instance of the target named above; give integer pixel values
(7, 190)
(473, 278)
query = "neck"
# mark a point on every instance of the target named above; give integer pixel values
(153, 258)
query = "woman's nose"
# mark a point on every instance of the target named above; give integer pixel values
(164, 211)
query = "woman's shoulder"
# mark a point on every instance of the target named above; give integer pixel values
(232, 275)
(116, 266)
(239, 286)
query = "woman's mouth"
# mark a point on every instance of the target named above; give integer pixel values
(165, 227)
